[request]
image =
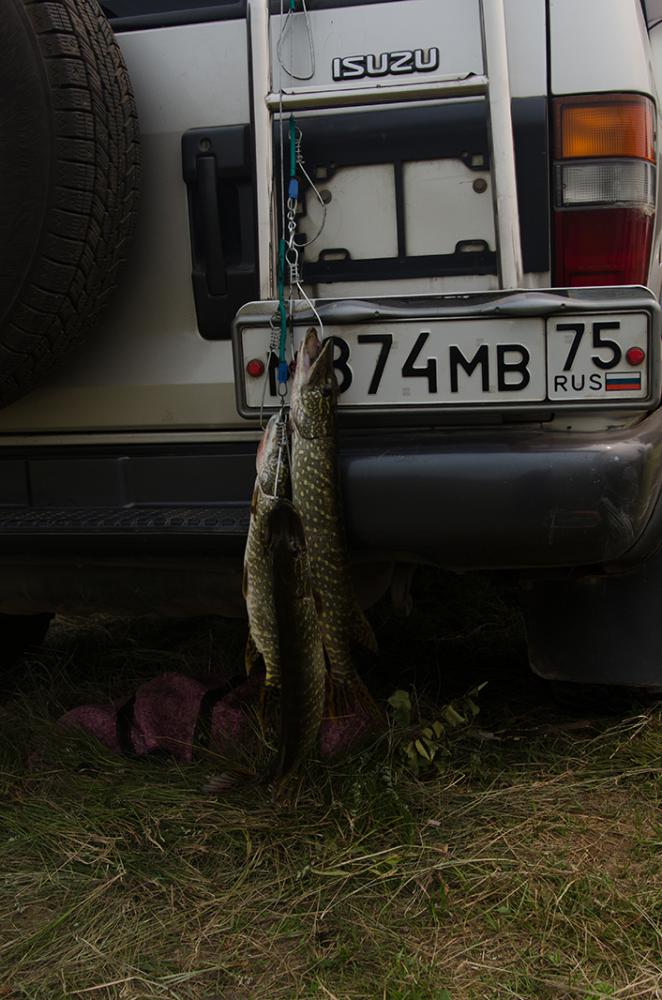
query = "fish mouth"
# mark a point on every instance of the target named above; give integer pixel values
(315, 358)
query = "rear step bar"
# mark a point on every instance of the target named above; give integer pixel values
(495, 86)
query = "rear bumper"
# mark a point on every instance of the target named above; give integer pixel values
(511, 499)
(501, 498)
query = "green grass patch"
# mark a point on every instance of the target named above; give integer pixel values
(524, 861)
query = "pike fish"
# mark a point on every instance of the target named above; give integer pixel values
(346, 633)
(303, 670)
(272, 484)
(283, 619)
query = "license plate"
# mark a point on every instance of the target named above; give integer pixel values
(600, 358)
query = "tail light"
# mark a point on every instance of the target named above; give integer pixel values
(604, 189)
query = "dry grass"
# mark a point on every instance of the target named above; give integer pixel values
(527, 866)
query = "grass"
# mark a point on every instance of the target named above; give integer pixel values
(526, 864)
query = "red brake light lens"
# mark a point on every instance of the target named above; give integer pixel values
(604, 189)
(602, 247)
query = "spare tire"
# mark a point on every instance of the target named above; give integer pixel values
(69, 164)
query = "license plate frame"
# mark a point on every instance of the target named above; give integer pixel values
(481, 314)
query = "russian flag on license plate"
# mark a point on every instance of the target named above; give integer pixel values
(621, 381)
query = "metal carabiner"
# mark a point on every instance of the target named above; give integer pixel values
(292, 261)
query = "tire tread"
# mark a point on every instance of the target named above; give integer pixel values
(91, 212)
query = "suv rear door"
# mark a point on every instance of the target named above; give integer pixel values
(407, 190)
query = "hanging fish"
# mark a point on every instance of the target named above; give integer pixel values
(346, 632)
(282, 612)
(303, 670)
(272, 484)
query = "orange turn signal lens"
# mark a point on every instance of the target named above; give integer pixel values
(604, 125)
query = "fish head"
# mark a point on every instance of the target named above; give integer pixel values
(314, 388)
(273, 472)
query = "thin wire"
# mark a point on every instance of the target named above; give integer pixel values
(319, 232)
(287, 211)
(271, 349)
(311, 47)
(296, 282)
(313, 309)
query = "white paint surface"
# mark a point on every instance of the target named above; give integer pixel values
(360, 217)
(443, 208)
(598, 45)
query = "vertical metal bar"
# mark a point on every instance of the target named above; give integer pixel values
(260, 54)
(509, 248)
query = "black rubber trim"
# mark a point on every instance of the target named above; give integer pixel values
(126, 520)
(135, 15)
(451, 130)
(483, 498)
(400, 267)
(152, 14)
(610, 627)
(330, 4)
(532, 157)
(123, 478)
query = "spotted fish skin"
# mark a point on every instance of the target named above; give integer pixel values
(303, 670)
(272, 484)
(316, 495)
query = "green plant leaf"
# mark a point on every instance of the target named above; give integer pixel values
(400, 702)
(453, 717)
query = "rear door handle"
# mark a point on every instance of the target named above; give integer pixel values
(209, 226)
(218, 169)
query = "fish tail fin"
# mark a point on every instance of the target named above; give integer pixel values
(350, 696)
(353, 718)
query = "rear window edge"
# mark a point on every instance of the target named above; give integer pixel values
(231, 11)
(171, 18)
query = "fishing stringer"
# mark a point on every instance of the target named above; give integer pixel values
(288, 257)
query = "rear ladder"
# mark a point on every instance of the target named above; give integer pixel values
(494, 85)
